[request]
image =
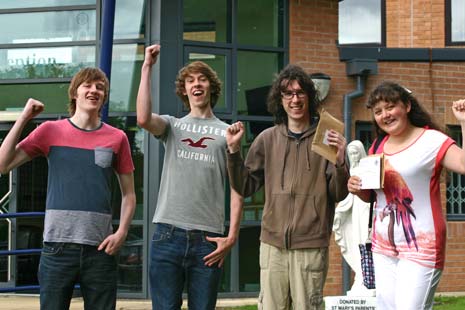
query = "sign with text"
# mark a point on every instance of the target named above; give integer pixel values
(350, 303)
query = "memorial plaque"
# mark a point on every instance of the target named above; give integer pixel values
(350, 303)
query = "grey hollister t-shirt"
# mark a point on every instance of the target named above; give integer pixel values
(191, 194)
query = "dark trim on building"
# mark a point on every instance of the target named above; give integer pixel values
(455, 217)
(383, 23)
(447, 22)
(402, 54)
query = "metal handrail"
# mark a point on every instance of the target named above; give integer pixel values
(23, 252)
(20, 252)
(26, 288)
(21, 214)
(19, 288)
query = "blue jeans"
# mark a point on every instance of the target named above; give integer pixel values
(177, 260)
(62, 265)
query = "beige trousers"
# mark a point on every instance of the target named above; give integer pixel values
(292, 279)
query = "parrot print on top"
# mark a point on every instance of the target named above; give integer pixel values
(409, 222)
(398, 207)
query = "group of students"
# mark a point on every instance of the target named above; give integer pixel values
(189, 246)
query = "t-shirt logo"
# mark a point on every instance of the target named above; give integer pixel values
(399, 207)
(197, 144)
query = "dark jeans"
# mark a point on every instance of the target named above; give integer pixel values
(177, 260)
(62, 265)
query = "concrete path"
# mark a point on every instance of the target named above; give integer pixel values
(31, 302)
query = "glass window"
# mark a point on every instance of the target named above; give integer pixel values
(218, 63)
(360, 22)
(58, 26)
(364, 131)
(129, 19)
(32, 184)
(253, 205)
(249, 238)
(249, 258)
(53, 95)
(456, 12)
(46, 62)
(206, 20)
(455, 185)
(130, 260)
(135, 136)
(259, 21)
(130, 257)
(253, 85)
(28, 236)
(18, 4)
(125, 76)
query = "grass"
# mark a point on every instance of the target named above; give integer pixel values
(449, 303)
(440, 303)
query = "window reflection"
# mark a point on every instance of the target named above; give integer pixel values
(130, 260)
(458, 20)
(360, 22)
(58, 26)
(253, 84)
(258, 22)
(206, 20)
(249, 271)
(253, 205)
(125, 76)
(50, 62)
(53, 95)
(130, 257)
(249, 238)
(129, 19)
(128, 125)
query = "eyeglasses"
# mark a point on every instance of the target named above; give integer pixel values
(288, 95)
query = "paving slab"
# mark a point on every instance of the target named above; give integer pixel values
(31, 302)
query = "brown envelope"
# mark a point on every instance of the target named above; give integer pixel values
(320, 144)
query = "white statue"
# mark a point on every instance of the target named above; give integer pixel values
(351, 224)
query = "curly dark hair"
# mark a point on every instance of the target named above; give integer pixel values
(284, 78)
(392, 92)
(203, 68)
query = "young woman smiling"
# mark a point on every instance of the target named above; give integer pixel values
(409, 230)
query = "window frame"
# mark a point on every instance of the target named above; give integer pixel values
(448, 25)
(383, 31)
(456, 134)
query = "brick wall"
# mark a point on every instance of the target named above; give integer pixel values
(418, 23)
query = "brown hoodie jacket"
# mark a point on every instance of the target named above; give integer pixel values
(301, 187)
